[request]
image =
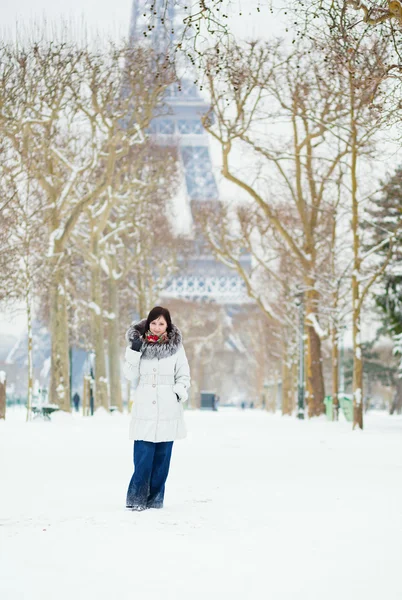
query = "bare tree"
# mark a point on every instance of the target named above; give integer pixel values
(124, 239)
(364, 68)
(71, 115)
(138, 245)
(271, 279)
(371, 20)
(21, 249)
(263, 86)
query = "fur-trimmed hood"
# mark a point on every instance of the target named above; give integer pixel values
(150, 350)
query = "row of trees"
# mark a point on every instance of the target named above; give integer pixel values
(87, 241)
(85, 196)
(338, 91)
(314, 120)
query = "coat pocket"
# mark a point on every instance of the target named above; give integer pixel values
(169, 408)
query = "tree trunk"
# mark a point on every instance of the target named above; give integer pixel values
(97, 331)
(293, 374)
(357, 361)
(267, 396)
(335, 374)
(114, 341)
(59, 378)
(286, 383)
(260, 378)
(275, 393)
(315, 379)
(85, 395)
(28, 304)
(357, 353)
(3, 383)
(334, 327)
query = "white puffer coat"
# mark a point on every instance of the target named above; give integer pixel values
(158, 373)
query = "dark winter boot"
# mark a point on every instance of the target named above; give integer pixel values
(138, 507)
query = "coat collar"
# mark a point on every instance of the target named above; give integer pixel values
(150, 350)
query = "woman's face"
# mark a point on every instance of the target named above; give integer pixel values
(159, 326)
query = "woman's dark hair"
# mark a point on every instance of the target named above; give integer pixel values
(159, 311)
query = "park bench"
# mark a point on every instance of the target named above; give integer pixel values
(45, 411)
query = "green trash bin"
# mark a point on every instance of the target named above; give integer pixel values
(328, 407)
(345, 404)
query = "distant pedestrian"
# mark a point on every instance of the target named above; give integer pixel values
(76, 401)
(157, 366)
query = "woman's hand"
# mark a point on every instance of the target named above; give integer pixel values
(136, 345)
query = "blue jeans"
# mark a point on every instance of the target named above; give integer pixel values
(151, 468)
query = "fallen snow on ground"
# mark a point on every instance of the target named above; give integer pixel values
(257, 506)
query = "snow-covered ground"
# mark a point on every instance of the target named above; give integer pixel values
(257, 506)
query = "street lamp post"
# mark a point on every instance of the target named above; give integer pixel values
(300, 383)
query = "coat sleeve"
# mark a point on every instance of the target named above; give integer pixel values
(181, 376)
(131, 367)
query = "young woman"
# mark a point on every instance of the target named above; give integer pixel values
(157, 366)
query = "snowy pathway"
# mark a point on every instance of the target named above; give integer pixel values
(257, 506)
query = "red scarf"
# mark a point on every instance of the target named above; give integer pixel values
(156, 339)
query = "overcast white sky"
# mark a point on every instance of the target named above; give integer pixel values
(105, 16)
(112, 17)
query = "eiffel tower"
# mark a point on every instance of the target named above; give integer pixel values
(203, 278)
